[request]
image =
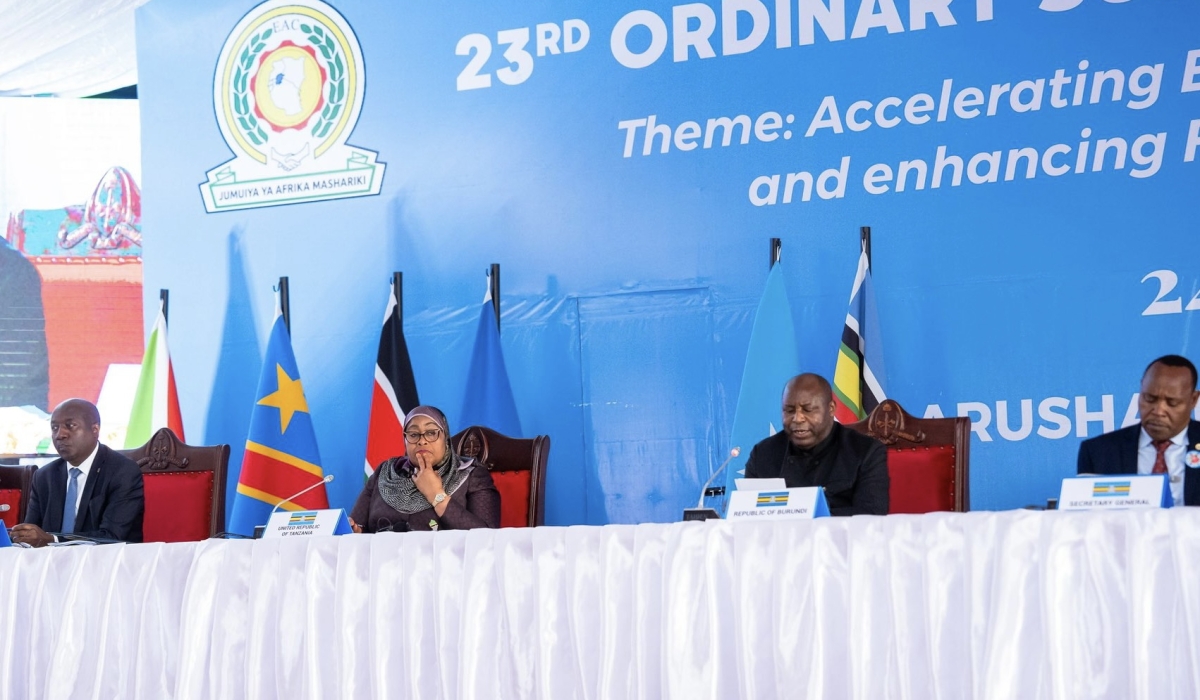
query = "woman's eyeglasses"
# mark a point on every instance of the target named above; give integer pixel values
(429, 435)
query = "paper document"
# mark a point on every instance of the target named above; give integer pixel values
(760, 484)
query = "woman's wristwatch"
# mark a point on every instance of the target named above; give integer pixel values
(437, 500)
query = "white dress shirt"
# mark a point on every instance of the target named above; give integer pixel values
(85, 467)
(1173, 456)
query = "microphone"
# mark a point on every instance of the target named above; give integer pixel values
(260, 529)
(328, 478)
(700, 512)
(703, 492)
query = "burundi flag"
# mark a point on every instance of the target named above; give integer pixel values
(771, 360)
(281, 455)
(489, 400)
(858, 378)
(155, 403)
(395, 392)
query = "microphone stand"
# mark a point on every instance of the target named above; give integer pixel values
(700, 512)
(260, 529)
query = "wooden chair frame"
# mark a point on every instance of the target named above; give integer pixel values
(165, 454)
(500, 453)
(21, 479)
(898, 430)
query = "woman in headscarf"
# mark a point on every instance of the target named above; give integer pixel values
(431, 488)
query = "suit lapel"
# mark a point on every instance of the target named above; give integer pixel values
(95, 477)
(56, 493)
(1129, 451)
(1191, 475)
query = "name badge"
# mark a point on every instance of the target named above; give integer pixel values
(783, 504)
(5, 540)
(307, 523)
(1115, 491)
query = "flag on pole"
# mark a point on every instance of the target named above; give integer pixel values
(395, 392)
(281, 455)
(489, 399)
(156, 402)
(858, 378)
(771, 360)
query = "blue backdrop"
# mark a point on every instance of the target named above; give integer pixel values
(1012, 284)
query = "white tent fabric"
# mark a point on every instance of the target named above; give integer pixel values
(68, 48)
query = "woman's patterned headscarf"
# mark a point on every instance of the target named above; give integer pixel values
(395, 475)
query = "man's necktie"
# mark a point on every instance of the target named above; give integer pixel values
(1160, 459)
(68, 523)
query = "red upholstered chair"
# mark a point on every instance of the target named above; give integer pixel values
(15, 483)
(185, 488)
(518, 466)
(927, 458)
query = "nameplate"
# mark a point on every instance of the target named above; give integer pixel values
(5, 540)
(1115, 491)
(307, 523)
(783, 504)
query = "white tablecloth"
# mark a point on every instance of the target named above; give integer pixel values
(989, 605)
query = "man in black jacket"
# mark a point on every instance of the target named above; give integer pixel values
(815, 450)
(90, 490)
(1166, 441)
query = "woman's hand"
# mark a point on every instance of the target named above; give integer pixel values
(426, 478)
(355, 526)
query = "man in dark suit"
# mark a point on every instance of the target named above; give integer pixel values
(815, 450)
(1167, 441)
(90, 490)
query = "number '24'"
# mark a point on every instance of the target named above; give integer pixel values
(1166, 284)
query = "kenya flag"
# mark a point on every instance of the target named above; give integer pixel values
(395, 391)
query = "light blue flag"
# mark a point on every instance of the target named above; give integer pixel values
(489, 398)
(773, 358)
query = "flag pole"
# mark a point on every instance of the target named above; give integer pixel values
(865, 239)
(163, 297)
(284, 304)
(398, 291)
(494, 286)
(776, 247)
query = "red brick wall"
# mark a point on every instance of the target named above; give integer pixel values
(93, 319)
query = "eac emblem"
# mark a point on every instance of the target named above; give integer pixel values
(287, 91)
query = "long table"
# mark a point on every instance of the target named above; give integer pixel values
(986, 605)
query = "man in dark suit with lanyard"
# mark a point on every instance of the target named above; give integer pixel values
(90, 491)
(1167, 441)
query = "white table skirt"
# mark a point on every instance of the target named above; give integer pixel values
(988, 605)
